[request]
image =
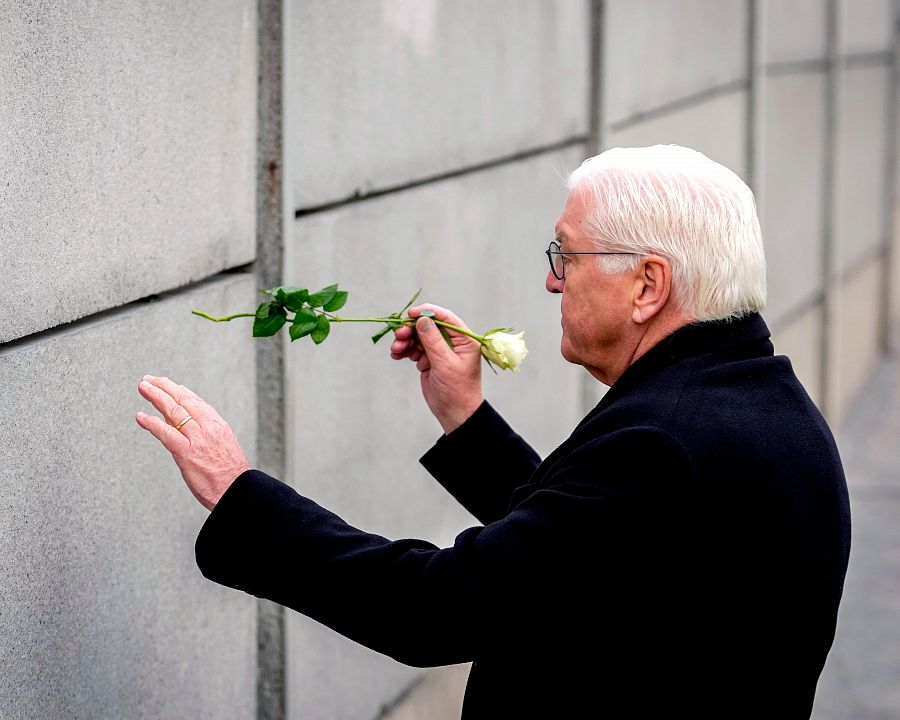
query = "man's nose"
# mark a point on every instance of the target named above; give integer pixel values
(553, 284)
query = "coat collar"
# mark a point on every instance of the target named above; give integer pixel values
(748, 337)
(749, 332)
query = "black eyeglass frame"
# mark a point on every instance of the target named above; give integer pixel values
(551, 252)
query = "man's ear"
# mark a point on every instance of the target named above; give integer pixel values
(652, 287)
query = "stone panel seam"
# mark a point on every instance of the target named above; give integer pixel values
(110, 313)
(813, 66)
(271, 179)
(830, 326)
(756, 101)
(388, 707)
(881, 493)
(596, 142)
(682, 103)
(452, 174)
(798, 309)
(890, 190)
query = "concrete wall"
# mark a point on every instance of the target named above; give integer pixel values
(127, 144)
(153, 153)
(458, 121)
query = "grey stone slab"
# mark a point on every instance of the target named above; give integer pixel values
(715, 128)
(793, 182)
(862, 150)
(795, 30)
(103, 612)
(128, 141)
(338, 678)
(357, 423)
(860, 677)
(867, 26)
(657, 51)
(380, 94)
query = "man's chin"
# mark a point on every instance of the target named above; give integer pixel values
(567, 353)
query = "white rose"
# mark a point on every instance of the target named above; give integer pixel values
(506, 350)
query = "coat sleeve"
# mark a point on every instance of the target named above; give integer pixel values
(485, 441)
(427, 606)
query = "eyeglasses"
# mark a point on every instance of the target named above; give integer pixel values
(558, 267)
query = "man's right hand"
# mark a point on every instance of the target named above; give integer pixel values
(451, 378)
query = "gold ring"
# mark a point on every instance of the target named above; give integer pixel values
(178, 426)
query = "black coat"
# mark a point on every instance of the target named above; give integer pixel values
(682, 553)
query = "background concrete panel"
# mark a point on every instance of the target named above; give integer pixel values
(793, 172)
(858, 319)
(658, 51)
(433, 694)
(800, 339)
(794, 30)
(862, 148)
(438, 696)
(104, 612)
(867, 26)
(860, 678)
(894, 277)
(128, 138)
(330, 677)
(715, 127)
(356, 420)
(382, 93)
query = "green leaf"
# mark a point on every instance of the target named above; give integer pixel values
(489, 332)
(323, 297)
(446, 336)
(428, 313)
(488, 361)
(262, 311)
(293, 298)
(323, 327)
(269, 319)
(392, 325)
(381, 333)
(337, 302)
(305, 321)
(411, 301)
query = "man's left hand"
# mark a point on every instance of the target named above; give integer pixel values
(204, 447)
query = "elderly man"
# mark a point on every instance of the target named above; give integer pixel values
(682, 553)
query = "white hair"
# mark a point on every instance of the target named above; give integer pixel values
(675, 202)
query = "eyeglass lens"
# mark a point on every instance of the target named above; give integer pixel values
(556, 261)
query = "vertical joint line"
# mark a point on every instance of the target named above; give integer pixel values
(271, 701)
(889, 251)
(596, 139)
(828, 339)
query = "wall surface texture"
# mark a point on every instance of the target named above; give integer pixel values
(127, 148)
(165, 157)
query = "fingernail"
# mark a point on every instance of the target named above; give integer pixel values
(148, 378)
(145, 384)
(141, 416)
(425, 324)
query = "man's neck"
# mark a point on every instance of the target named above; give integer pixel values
(644, 337)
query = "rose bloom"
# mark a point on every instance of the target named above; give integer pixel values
(506, 350)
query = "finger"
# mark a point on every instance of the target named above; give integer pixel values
(173, 413)
(423, 363)
(402, 348)
(441, 313)
(174, 441)
(196, 406)
(404, 332)
(433, 342)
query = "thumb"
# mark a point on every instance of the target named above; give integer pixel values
(432, 341)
